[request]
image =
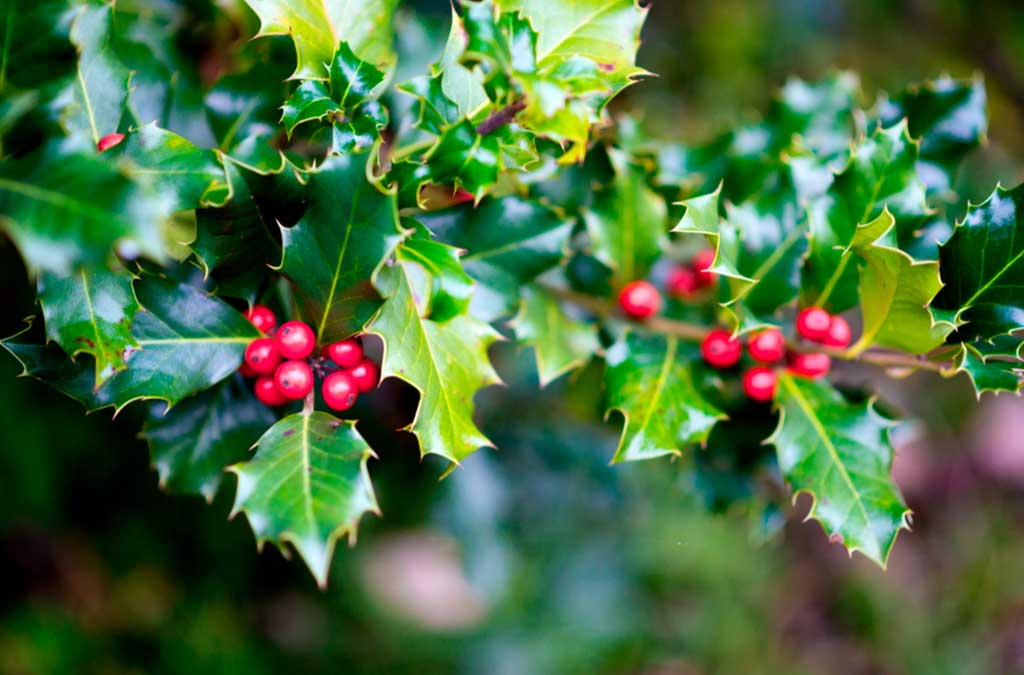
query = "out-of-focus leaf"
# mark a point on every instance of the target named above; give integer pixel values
(991, 368)
(194, 176)
(99, 93)
(561, 343)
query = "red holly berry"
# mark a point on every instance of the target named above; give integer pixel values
(295, 340)
(365, 374)
(262, 356)
(681, 282)
(767, 346)
(109, 141)
(810, 364)
(346, 353)
(246, 371)
(640, 299)
(340, 391)
(262, 317)
(721, 349)
(702, 264)
(759, 383)
(839, 334)
(812, 323)
(267, 393)
(294, 379)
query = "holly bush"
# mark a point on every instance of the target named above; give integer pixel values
(175, 194)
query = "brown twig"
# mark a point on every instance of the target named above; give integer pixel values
(500, 118)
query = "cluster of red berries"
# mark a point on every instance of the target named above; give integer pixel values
(285, 371)
(768, 348)
(642, 300)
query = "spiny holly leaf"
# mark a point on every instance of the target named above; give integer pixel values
(194, 176)
(466, 158)
(820, 113)
(243, 112)
(450, 286)
(651, 381)
(353, 80)
(895, 293)
(358, 131)
(840, 454)
(317, 26)
(330, 256)
(66, 210)
(307, 485)
(881, 173)
(193, 442)
(464, 87)
(627, 222)
(561, 343)
(311, 101)
(435, 110)
(949, 118)
(983, 267)
(99, 93)
(447, 362)
(994, 368)
(531, 240)
(91, 312)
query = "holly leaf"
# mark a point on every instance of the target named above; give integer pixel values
(307, 485)
(627, 222)
(193, 442)
(896, 292)
(447, 362)
(465, 158)
(434, 110)
(560, 342)
(91, 312)
(992, 367)
(311, 101)
(330, 256)
(820, 113)
(651, 381)
(983, 266)
(450, 286)
(840, 454)
(317, 26)
(194, 176)
(353, 80)
(99, 93)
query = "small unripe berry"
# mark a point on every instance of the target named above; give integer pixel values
(346, 353)
(810, 364)
(767, 346)
(262, 356)
(295, 340)
(839, 334)
(365, 374)
(262, 317)
(702, 264)
(812, 323)
(340, 391)
(640, 299)
(681, 282)
(294, 379)
(759, 383)
(109, 141)
(721, 349)
(267, 393)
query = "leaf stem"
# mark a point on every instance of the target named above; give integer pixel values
(500, 118)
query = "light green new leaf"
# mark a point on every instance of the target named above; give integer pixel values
(840, 454)
(561, 343)
(650, 380)
(702, 217)
(307, 485)
(91, 312)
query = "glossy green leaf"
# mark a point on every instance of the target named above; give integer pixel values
(450, 286)
(560, 342)
(353, 81)
(992, 369)
(194, 442)
(466, 158)
(310, 102)
(435, 110)
(194, 176)
(99, 93)
(307, 485)
(840, 454)
(651, 381)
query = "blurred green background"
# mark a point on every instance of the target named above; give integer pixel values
(540, 558)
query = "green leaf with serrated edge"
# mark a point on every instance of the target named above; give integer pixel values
(359, 133)
(840, 454)
(531, 240)
(450, 286)
(194, 442)
(194, 176)
(353, 80)
(435, 110)
(91, 312)
(949, 118)
(627, 222)
(983, 267)
(99, 93)
(244, 114)
(317, 26)
(560, 342)
(651, 381)
(990, 372)
(51, 364)
(64, 210)
(461, 85)
(820, 113)
(465, 158)
(447, 363)
(310, 102)
(331, 255)
(307, 485)
(895, 293)
(881, 173)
